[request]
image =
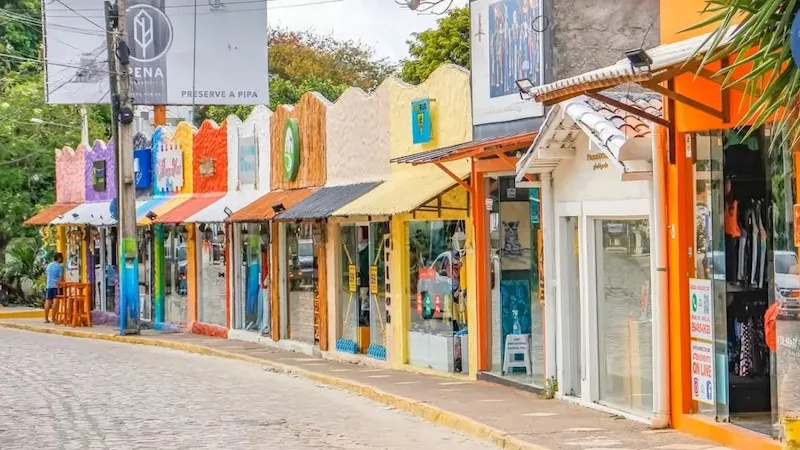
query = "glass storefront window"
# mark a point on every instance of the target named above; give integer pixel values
(145, 252)
(361, 290)
(211, 274)
(72, 260)
(517, 306)
(175, 273)
(251, 308)
(301, 282)
(437, 335)
(110, 270)
(622, 261)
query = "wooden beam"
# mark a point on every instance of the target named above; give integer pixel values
(686, 100)
(513, 166)
(454, 176)
(631, 109)
(726, 96)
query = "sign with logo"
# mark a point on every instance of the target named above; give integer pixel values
(702, 360)
(701, 310)
(421, 120)
(207, 53)
(351, 278)
(207, 167)
(291, 149)
(142, 166)
(99, 176)
(169, 170)
(373, 279)
(248, 160)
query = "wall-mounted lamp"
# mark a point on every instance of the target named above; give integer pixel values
(151, 215)
(75, 215)
(278, 208)
(525, 85)
(639, 59)
(228, 212)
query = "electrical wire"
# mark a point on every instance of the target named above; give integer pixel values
(81, 15)
(42, 61)
(223, 4)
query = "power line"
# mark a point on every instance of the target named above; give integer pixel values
(81, 15)
(42, 61)
(223, 4)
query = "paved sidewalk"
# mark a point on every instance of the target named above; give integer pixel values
(509, 417)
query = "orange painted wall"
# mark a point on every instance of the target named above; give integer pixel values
(210, 142)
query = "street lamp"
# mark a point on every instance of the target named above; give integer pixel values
(84, 125)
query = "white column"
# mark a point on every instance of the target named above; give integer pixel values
(548, 240)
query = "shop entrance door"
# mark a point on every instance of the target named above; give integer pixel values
(145, 273)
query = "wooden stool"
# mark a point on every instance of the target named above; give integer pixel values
(81, 306)
(61, 306)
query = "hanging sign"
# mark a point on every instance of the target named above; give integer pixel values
(291, 149)
(142, 165)
(247, 160)
(169, 170)
(702, 372)
(701, 310)
(373, 279)
(421, 120)
(99, 176)
(351, 278)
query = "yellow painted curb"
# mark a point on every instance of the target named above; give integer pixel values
(423, 410)
(35, 314)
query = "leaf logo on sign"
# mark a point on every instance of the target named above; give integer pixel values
(143, 32)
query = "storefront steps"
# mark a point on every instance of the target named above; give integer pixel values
(507, 417)
(284, 344)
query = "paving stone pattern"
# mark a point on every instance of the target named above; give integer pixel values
(66, 393)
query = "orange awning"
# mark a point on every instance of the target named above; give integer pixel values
(45, 216)
(195, 204)
(261, 209)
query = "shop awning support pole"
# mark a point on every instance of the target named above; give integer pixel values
(548, 238)
(659, 293)
(454, 176)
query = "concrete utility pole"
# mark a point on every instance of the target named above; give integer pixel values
(129, 267)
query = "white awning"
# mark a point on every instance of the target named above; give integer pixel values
(96, 214)
(623, 137)
(215, 212)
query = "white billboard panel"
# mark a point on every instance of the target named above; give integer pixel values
(506, 46)
(183, 52)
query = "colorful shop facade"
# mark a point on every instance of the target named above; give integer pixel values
(730, 237)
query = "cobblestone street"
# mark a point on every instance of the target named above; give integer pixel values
(65, 393)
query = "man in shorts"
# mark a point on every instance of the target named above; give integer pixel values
(54, 273)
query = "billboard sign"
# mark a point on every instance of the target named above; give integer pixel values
(183, 52)
(507, 45)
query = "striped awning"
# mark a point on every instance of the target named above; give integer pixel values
(190, 207)
(232, 201)
(158, 205)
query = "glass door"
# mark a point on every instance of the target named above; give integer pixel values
(572, 286)
(377, 289)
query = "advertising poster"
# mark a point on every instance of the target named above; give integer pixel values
(703, 372)
(506, 45)
(701, 310)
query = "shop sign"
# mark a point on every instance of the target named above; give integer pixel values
(489, 203)
(701, 310)
(373, 279)
(169, 170)
(516, 343)
(599, 161)
(291, 149)
(247, 160)
(99, 176)
(421, 120)
(533, 198)
(796, 214)
(702, 372)
(351, 278)
(207, 167)
(142, 164)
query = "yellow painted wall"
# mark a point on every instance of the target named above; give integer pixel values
(183, 137)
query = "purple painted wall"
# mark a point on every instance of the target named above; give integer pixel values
(101, 152)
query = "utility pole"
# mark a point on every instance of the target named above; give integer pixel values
(126, 199)
(84, 127)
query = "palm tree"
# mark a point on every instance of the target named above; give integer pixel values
(24, 265)
(761, 39)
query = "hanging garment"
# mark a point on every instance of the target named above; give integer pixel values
(762, 248)
(741, 264)
(747, 350)
(754, 232)
(732, 219)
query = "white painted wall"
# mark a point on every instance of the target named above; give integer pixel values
(256, 124)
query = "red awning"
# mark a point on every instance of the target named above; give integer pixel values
(261, 209)
(195, 204)
(45, 216)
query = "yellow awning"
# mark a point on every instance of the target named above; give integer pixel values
(163, 208)
(405, 190)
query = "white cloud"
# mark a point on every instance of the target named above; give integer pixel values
(383, 24)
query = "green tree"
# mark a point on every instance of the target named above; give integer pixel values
(22, 275)
(19, 36)
(762, 40)
(27, 163)
(447, 43)
(304, 61)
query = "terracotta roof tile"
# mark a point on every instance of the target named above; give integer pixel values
(630, 124)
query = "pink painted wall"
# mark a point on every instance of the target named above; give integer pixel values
(70, 180)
